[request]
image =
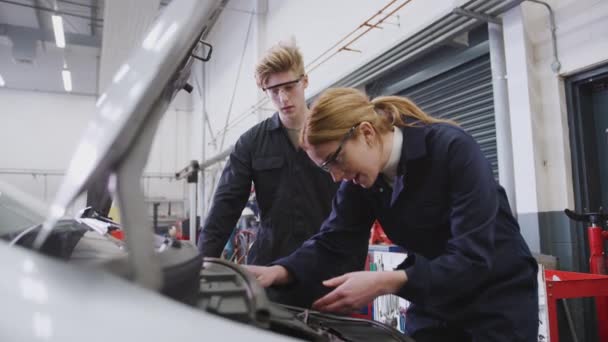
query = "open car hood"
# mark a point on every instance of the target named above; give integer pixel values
(117, 141)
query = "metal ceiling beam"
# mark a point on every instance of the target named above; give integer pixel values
(46, 9)
(93, 15)
(480, 16)
(39, 17)
(77, 3)
(22, 32)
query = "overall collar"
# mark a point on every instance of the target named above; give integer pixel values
(275, 122)
(413, 148)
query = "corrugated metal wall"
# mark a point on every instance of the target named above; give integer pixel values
(463, 94)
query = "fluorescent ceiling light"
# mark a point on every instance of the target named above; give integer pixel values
(2, 81)
(67, 80)
(58, 30)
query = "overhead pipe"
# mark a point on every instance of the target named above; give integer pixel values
(60, 173)
(216, 159)
(556, 65)
(504, 142)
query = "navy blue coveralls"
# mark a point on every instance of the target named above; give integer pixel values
(468, 266)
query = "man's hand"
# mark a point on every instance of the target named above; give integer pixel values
(355, 290)
(269, 275)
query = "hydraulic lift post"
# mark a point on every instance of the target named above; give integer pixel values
(190, 172)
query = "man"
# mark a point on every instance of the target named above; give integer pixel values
(293, 194)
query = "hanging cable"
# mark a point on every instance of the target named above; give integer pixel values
(350, 34)
(206, 117)
(224, 133)
(236, 82)
(369, 28)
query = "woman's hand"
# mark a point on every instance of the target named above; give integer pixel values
(355, 290)
(269, 275)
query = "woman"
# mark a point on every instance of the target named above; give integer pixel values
(469, 274)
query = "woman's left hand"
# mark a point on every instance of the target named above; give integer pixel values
(356, 289)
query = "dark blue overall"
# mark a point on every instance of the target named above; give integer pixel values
(468, 266)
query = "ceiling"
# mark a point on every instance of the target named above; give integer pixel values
(29, 57)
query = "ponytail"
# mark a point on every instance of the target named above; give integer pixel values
(339, 109)
(402, 112)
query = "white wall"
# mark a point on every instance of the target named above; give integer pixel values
(39, 130)
(582, 41)
(39, 133)
(170, 153)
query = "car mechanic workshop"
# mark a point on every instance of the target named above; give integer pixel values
(396, 170)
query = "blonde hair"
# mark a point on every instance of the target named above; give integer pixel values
(284, 56)
(339, 109)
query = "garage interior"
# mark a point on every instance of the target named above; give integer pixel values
(526, 79)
